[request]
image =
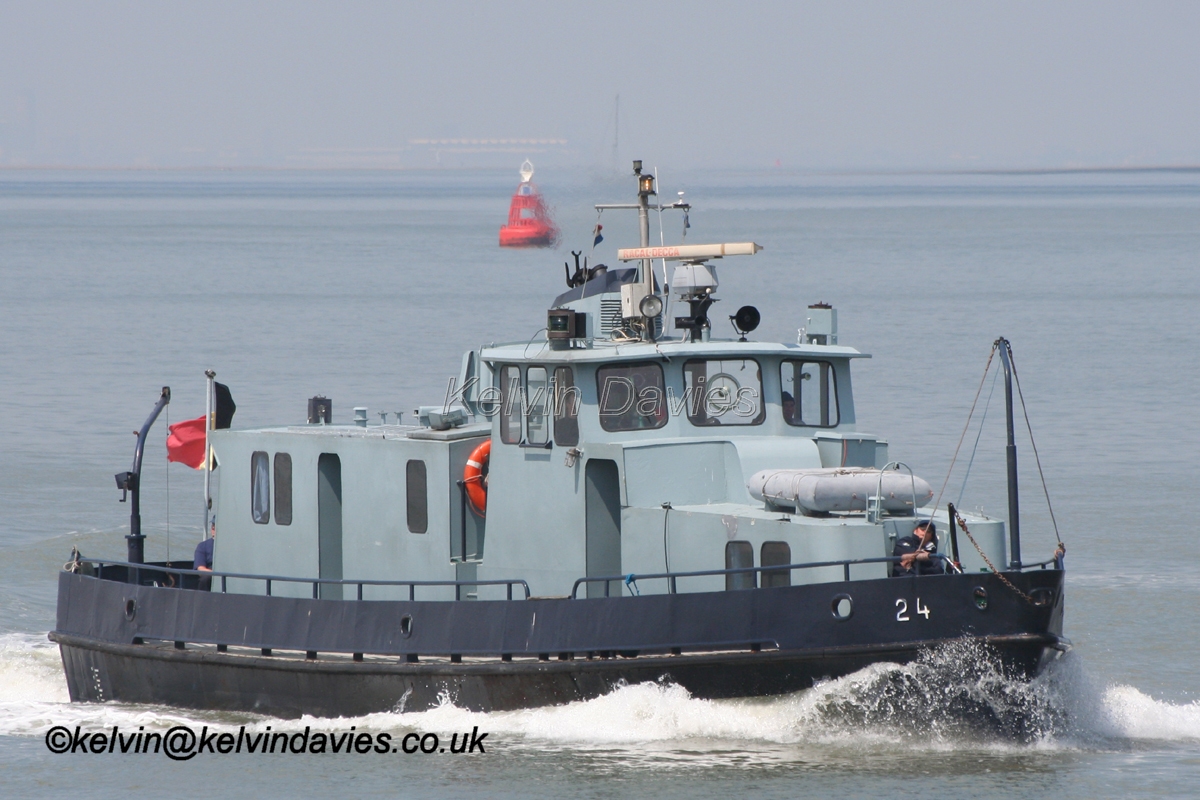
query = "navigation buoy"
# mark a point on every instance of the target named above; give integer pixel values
(529, 223)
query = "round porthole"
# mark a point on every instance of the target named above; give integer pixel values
(842, 606)
(980, 597)
(1042, 597)
(130, 608)
(406, 626)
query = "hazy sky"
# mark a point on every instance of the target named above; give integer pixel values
(701, 84)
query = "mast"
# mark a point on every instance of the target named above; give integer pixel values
(210, 423)
(131, 482)
(1014, 516)
(616, 132)
(645, 189)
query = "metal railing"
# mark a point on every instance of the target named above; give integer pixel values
(672, 577)
(135, 569)
(629, 579)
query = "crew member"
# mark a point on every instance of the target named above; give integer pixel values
(916, 552)
(203, 558)
(789, 408)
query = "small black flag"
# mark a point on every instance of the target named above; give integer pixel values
(224, 406)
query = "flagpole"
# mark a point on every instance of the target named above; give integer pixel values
(208, 426)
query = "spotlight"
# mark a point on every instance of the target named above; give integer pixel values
(651, 306)
(745, 320)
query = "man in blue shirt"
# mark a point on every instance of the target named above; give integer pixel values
(203, 559)
(916, 552)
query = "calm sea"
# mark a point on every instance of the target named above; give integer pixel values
(366, 287)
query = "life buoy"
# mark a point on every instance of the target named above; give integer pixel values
(474, 477)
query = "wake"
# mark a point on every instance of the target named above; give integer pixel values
(954, 697)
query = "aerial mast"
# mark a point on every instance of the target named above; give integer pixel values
(645, 189)
(1014, 512)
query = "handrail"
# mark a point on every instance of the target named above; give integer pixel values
(316, 582)
(672, 576)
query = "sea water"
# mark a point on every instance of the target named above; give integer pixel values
(367, 287)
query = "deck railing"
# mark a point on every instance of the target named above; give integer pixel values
(269, 580)
(630, 580)
(672, 577)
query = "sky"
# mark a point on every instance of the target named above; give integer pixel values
(792, 85)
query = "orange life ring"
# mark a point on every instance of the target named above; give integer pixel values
(473, 477)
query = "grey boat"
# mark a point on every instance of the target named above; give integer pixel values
(607, 504)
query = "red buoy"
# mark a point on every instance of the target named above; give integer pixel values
(529, 223)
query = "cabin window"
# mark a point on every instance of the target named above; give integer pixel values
(416, 491)
(260, 487)
(809, 393)
(566, 408)
(631, 397)
(723, 392)
(537, 405)
(739, 555)
(776, 554)
(283, 489)
(510, 405)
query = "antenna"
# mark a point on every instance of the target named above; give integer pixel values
(616, 133)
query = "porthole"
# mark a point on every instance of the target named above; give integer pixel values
(981, 598)
(130, 609)
(842, 606)
(406, 626)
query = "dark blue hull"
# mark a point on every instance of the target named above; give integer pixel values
(146, 644)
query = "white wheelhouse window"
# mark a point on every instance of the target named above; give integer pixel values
(723, 392)
(260, 487)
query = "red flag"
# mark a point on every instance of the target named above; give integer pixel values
(186, 443)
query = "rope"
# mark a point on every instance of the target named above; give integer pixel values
(962, 523)
(1036, 458)
(961, 438)
(962, 490)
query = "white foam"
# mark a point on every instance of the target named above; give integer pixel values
(1128, 713)
(879, 706)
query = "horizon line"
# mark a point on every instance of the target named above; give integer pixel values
(832, 171)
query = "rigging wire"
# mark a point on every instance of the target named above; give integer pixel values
(1036, 457)
(966, 427)
(983, 419)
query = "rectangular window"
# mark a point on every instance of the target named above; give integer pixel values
(739, 555)
(566, 408)
(283, 489)
(723, 392)
(510, 405)
(809, 393)
(416, 493)
(260, 487)
(537, 406)
(776, 554)
(631, 397)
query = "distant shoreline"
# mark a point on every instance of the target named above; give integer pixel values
(848, 171)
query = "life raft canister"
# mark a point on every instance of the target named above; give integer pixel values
(473, 474)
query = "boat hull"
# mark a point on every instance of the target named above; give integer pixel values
(729, 644)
